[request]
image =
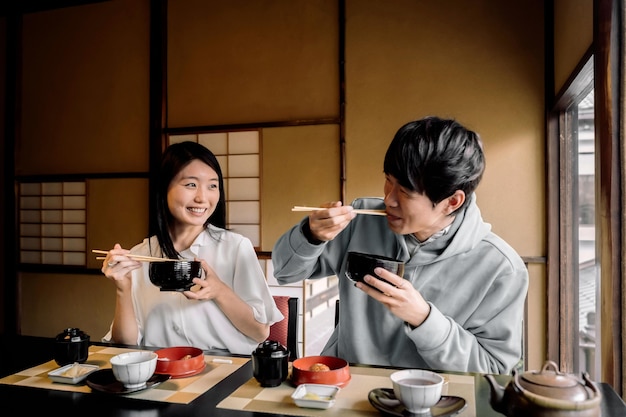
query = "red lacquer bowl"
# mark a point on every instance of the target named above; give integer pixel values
(338, 373)
(180, 361)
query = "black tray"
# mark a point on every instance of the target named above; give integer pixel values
(104, 381)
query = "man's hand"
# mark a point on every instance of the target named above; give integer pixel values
(398, 295)
(324, 225)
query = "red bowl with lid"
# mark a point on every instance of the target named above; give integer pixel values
(328, 370)
(180, 361)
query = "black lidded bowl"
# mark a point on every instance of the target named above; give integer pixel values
(71, 345)
(174, 275)
(270, 363)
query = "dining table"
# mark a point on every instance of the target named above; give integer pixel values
(225, 388)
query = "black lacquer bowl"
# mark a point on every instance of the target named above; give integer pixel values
(174, 275)
(360, 264)
(71, 345)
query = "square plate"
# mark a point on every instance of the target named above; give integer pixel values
(315, 395)
(59, 374)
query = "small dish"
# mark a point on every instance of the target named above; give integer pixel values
(73, 373)
(104, 381)
(385, 401)
(315, 395)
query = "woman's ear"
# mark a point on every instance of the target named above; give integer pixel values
(455, 201)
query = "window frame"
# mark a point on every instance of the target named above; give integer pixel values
(602, 64)
(560, 152)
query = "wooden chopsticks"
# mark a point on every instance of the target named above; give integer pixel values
(358, 211)
(141, 258)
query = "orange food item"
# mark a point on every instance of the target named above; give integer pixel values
(319, 367)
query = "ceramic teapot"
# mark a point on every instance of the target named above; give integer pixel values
(546, 393)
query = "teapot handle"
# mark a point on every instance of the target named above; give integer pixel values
(553, 365)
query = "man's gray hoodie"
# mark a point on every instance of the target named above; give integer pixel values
(474, 281)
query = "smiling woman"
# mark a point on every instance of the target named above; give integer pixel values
(210, 310)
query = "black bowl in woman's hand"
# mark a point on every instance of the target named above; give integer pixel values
(171, 275)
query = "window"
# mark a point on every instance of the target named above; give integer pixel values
(582, 254)
(52, 219)
(584, 205)
(573, 280)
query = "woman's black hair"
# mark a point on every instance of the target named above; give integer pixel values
(436, 157)
(176, 157)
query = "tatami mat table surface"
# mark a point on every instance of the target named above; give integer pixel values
(351, 401)
(179, 390)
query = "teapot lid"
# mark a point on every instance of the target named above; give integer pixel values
(551, 377)
(271, 349)
(72, 334)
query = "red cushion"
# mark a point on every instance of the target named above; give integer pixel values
(278, 330)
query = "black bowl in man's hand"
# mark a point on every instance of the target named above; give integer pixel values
(360, 264)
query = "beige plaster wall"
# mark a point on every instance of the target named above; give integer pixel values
(246, 61)
(573, 36)
(481, 64)
(53, 302)
(300, 168)
(116, 213)
(85, 90)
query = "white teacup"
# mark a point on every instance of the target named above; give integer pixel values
(417, 389)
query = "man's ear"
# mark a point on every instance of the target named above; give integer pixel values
(455, 201)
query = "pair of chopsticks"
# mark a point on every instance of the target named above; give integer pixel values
(358, 211)
(141, 258)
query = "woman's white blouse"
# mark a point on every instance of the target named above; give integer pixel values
(168, 318)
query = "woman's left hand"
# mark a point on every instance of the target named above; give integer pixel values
(398, 295)
(207, 288)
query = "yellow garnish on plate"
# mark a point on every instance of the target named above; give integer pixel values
(75, 370)
(314, 396)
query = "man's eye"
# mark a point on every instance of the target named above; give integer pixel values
(191, 185)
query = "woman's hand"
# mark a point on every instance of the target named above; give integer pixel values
(398, 295)
(118, 267)
(207, 288)
(237, 310)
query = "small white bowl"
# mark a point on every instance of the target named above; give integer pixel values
(134, 369)
(72, 373)
(315, 395)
